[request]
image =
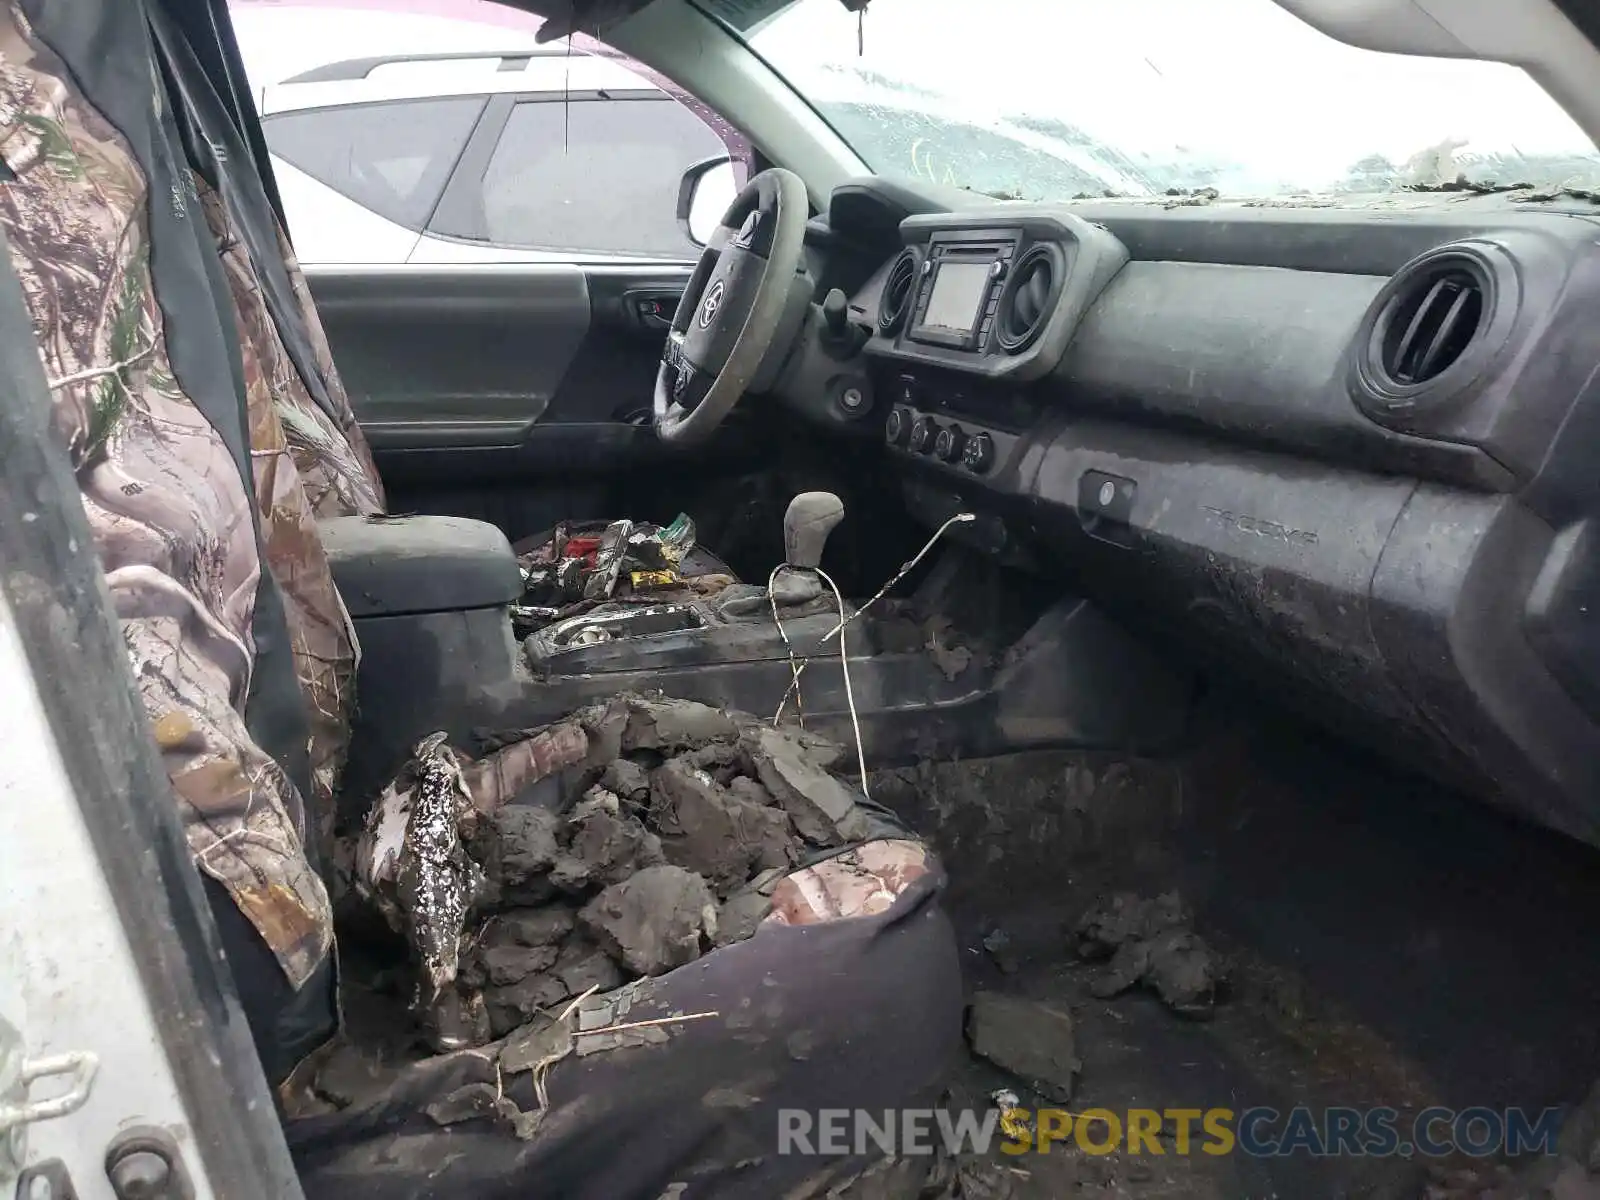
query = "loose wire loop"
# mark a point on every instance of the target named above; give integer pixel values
(798, 663)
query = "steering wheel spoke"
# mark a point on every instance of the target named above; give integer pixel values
(732, 308)
(672, 349)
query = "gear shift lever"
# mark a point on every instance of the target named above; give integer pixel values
(811, 517)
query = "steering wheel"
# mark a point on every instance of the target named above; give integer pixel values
(731, 308)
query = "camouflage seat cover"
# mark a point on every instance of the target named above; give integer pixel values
(202, 456)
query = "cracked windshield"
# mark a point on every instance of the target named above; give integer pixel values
(1062, 99)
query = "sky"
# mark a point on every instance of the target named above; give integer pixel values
(1243, 80)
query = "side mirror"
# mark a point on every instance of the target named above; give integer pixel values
(704, 194)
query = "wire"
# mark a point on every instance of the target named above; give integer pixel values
(794, 663)
(796, 666)
(799, 667)
(849, 692)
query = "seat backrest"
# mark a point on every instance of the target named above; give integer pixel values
(276, 317)
(169, 397)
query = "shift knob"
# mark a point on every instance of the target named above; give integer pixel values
(836, 312)
(806, 525)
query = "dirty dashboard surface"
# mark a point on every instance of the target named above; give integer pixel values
(1347, 451)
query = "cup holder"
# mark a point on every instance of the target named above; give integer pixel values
(596, 628)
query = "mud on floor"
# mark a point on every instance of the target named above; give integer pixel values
(1385, 944)
(1381, 944)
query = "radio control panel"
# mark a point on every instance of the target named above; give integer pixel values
(997, 292)
(958, 292)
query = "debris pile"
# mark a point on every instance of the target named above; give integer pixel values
(1003, 951)
(1151, 942)
(669, 827)
(903, 629)
(584, 565)
(1035, 1042)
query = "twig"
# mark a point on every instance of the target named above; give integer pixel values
(541, 1070)
(644, 1024)
(577, 1000)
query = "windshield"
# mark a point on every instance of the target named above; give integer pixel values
(1063, 99)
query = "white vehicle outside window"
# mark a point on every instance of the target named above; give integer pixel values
(459, 139)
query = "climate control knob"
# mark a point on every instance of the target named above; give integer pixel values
(978, 457)
(923, 434)
(950, 444)
(898, 427)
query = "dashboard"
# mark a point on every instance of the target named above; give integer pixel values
(1353, 452)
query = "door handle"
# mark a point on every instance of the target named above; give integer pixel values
(652, 311)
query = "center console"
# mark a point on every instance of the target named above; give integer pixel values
(429, 597)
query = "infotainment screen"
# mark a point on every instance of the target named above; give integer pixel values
(958, 292)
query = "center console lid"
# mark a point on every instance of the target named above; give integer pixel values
(397, 566)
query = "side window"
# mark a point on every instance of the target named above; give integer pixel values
(392, 158)
(594, 176)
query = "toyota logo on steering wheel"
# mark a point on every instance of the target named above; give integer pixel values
(711, 305)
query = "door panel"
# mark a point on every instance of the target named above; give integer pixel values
(518, 393)
(439, 357)
(613, 377)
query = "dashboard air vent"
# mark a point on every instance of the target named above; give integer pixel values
(1026, 303)
(1430, 323)
(897, 291)
(1434, 331)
